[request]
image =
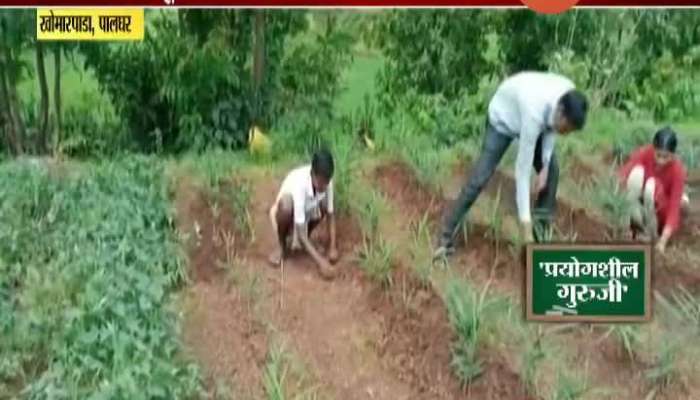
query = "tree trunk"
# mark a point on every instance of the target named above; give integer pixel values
(258, 61)
(15, 131)
(57, 97)
(42, 140)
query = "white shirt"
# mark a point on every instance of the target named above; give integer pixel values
(298, 184)
(524, 107)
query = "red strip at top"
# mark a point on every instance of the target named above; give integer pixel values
(332, 3)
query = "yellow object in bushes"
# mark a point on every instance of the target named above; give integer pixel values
(368, 142)
(258, 143)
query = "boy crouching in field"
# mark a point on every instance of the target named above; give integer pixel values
(304, 199)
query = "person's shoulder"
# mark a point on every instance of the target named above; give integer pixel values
(678, 167)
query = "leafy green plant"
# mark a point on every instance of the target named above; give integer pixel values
(421, 249)
(369, 206)
(275, 375)
(495, 220)
(465, 308)
(88, 262)
(377, 260)
(608, 196)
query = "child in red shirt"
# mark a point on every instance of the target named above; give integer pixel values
(654, 178)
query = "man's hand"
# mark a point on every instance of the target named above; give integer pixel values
(527, 232)
(541, 180)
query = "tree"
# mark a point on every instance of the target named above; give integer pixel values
(42, 138)
(16, 29)
(58, 120)
(431, 52)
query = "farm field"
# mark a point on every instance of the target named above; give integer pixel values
(132, 275)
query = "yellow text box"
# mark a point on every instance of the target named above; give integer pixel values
(89, 24)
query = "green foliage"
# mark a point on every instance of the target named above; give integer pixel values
(283, 378)
(465, 308)
(431, 52)
(628, 336)
(376, 255)
(87, 263)
(664, 370)
(607, 195)
(569, 387)
(91, 129)
(275, 375)
(651, 69)
(377, 260)
(421, 249)
(197, 90)
(533, 355)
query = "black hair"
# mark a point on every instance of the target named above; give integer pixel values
(665, 139)
(574, 107)
(322, 164)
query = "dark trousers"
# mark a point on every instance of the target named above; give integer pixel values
(494, 146)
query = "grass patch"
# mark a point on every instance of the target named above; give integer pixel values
(377, 260)
(284, 377)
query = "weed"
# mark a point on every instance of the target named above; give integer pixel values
(377, 260)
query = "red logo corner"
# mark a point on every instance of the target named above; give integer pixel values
(549, 6)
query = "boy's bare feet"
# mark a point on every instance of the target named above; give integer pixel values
(333, 256)
(275, 258)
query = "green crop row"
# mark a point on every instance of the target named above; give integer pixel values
(87, 262)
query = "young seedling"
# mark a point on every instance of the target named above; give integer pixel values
(532, 357)
(663, 371)
(275, 374)
(570, 387)
(628, 338)
(465, 309)
(688, 307)
(377, 261)
(421, 250)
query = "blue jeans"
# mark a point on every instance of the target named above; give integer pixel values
(493, 148)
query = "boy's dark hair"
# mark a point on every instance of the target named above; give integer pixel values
(322, 164)
(574, 106)
(665, 139)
